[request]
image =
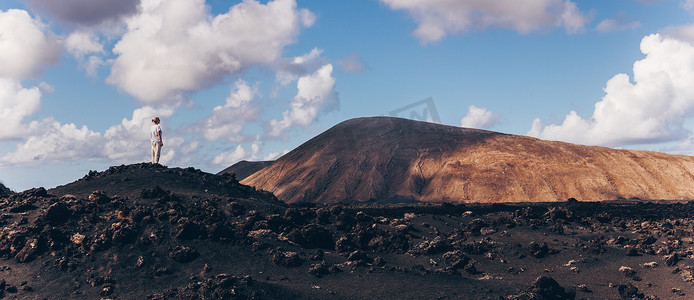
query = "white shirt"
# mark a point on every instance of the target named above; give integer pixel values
(155, 133)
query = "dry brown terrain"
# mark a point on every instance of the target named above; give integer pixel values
(384, 158)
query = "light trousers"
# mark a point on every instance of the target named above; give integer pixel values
(156, 151)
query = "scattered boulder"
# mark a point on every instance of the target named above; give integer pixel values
(672, 259)
(183, 254)
(540, 250)
(287, 259)
(221, 286)
(187, 230)
(99, 197)
(32, 248)
(545, 287)
(57, 214)
(312, 236)
(154, 193)
(629, 273)
(629, 291)
(437, 245)
(319, 269)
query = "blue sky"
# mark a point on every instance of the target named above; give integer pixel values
(251, 80)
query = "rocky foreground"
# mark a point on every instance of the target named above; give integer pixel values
(166, 241)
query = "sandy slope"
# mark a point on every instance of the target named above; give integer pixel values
(382, 157)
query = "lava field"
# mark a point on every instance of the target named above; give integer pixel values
(149, 232)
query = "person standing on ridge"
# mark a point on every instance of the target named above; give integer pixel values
(157, 142)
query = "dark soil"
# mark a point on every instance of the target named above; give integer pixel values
(150, 232)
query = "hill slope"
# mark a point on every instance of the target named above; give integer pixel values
(383, 157)
(245, 168)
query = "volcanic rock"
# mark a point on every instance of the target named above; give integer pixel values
(629, 291)
(384, 158)
(4, 191)
(183, 254)
(154, 244)
(241, 170)
(545, 287)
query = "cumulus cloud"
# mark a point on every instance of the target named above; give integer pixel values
(231, 157)
(438, 18)
(176, 46)
(227, 121)
(25, 45)
(81, 43)
(85, 12)
(49, 141)
(52, 141)
(91, 65)
(290, 69)
(315, 93)
(683, 33)
(478, 117)
(622, 22)
(40, 141)
(129, 140)
(16, 104)
(650, 109)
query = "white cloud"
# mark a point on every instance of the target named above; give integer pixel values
(572, 18)
(50, 141)
(92, 64)
(227, 121)
(290, 69)
(652, 109)
(46, 88)
(129, 141)
(25, 47)
(16, 104)
(622, 22)
(353, 63)
(315, 93)
(189, 148)
(275, 155)
(239, 154)
(177, 46)
(478, 117)
(683, 33)
(688, 5)
(438, 18)
(86, 12)
(81, 43)
(609, 25)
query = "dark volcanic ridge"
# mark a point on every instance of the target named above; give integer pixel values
(129, 180)
(381, 158)
(245, 168)
(4, 191)
(228, 241)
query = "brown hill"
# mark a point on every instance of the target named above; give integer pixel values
(245, 168)
(385, 158)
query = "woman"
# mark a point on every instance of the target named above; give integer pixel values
(155, 137)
